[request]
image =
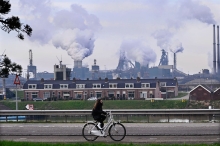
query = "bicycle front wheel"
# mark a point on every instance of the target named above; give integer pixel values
(86, 132)
(117, 131)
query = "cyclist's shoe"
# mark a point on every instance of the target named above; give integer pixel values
(99, 126)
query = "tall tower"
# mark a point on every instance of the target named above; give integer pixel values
(124, 63)
(218, 51)
(164, 58)
(95, 70)
(31, 68)
(214, 51)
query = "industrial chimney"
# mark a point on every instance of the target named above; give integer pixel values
(218, 51)
(174, 64)
(214, 51)
(77, 63)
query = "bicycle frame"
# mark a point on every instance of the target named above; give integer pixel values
(102, 132)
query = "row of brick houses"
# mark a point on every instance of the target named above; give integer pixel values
(127, 89)
(203, 92)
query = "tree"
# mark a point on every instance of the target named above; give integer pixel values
(12, 23)
(7, 67)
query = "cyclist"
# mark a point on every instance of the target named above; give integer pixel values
(98, 114)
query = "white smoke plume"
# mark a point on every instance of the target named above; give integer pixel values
(78, 43)
(72, 30)
(176, 13)
(136, 51)
(176, 47)
(163, 37)
(190, 9)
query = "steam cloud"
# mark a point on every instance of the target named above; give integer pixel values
(137, 51)
(71, 30)
(179, 12)
(176, 47)
(78, 44)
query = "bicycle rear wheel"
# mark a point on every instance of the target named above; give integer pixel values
(117, 132)
(86, 132)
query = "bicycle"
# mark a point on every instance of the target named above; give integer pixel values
(116, 130)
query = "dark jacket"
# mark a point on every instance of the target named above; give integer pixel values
(97, 111)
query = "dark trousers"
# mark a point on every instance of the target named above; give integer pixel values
(100, 119)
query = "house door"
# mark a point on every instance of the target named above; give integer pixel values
(143, 95)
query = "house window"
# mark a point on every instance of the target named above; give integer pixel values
(34, 95)
(98, 94)
(32, 86)
(131, 95)
(129, 85)
(80, 86)
(96, 85)
(143, 95)
(118, 94)
(91, 94)
(63, 86)
(66, 95)
(53, 94)
(78, 95)
(27, 95)
(85, 95)
(113, 85)
(145, 85)
(59, 95)
(111, 94)
(162, 84)
(46, 94)
(47, 86)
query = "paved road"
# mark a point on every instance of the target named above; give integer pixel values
(136, 132)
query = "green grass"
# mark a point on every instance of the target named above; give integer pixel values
(20, 94)
(181, 95)
(11, 143)
(108, 104)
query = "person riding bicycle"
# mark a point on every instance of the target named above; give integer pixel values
(98, 114)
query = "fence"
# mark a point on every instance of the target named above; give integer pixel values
(125, 115)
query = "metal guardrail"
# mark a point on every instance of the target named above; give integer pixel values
(115, 112)
(189, 113)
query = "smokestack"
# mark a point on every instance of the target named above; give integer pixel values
(78, 64)
(174, 64)
(218, 51)
(214, 51)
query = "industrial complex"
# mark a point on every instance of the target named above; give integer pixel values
(126, 69)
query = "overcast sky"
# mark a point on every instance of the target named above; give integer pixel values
(99, 29)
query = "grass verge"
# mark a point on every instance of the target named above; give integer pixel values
(108, 104)
(11, 143)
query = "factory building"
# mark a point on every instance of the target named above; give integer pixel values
(80, 72)
(61, 72)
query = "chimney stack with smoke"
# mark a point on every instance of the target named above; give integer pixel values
(218, 51)
(214, 51)
(77, 63)
(174, 64)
